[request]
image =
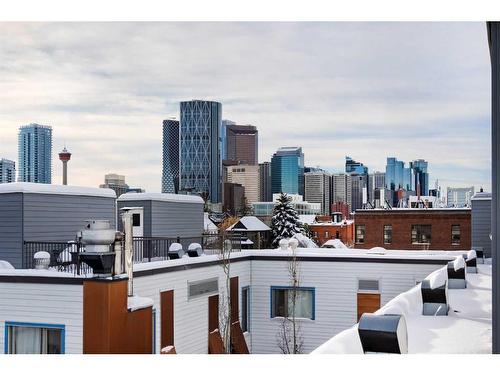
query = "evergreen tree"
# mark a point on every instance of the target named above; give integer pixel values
(285, 221)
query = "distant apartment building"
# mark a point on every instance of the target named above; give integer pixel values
(200, 154)
(265, 209)
(248, 177)
(35, 154)
(459, 197)
(170, 175)
(287, 171)
(417, 229)
(266, 194)
(7, 171)
(317, 189)
(242, 142)
(117, 183)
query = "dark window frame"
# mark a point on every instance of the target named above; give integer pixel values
(455, 238)
(417, 235)
(356, 235)
(385, 231)
(274, 313)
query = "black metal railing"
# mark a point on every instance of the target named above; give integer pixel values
(64, 255)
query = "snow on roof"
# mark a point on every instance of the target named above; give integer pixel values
(208, 224)
(30, 187)
(466, 328)
(249, 224)
(307, 219)
(481, 196)
(137, 303)
(164, 197)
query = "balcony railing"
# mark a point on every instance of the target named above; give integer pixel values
(64, 255)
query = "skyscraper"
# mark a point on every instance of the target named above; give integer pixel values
(223, 137)
(352, 166)
(287, 171)
(377, 182)
(247, 176)
(459, 197)
(7, 171)
(359, 187)
(266, 194)
(421, 176)
(317, 189)
(242, 144)
(170, 175)
(200, 154)
(339, 191)
(35, 153)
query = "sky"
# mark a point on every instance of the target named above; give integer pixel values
(367, 90)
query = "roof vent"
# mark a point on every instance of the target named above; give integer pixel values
(383, 333)
(41, 259)
(456, 274)
(195, 250)
(471, 262)
(435, 301)
(175, 251)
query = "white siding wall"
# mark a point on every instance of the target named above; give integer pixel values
(44, 303)
(335, 286)
(190, 316)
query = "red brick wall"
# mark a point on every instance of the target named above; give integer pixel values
(346, 233)
(402, 221)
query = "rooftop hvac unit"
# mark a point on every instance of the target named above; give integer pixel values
(175, 251)
(470, 262)
(41, 260)
(195, 250)
(434, 301)
(456, 274)
(97, 236)
(383, 333)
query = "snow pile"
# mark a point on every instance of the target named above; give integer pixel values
(41, 255)
(304, 241)
(336, 244)
(4, 265)
(164, 197)
(438, 278)
(458, 263)
(175, 247)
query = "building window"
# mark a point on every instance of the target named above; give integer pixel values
(282, 302)
(34, 338)
(420, 234)
(337, 235)
(360, 234)
(327, 234)
(136, 220)
(387, 234)
(455, 234)
(245, 309)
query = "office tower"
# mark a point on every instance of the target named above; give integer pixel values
(359, 188)
(421, 176)
(234, 198)
(266, 194)
(7, 171)
(170, 175)
(247, 176)
(35, 154)
(223, 137)
(115, 182)
(352, 166)
(200, 154)
(65, 156)
(339, 188)
(242, 144)
(287, 171)
(394, 174)
(459, 197)
(376, 182)
(317, 190)
(313, 169)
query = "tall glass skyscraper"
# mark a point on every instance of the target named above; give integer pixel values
(35, 154)
(170, 175)
(352, 166)
(200, 149)
(421, 176)
(287, 171)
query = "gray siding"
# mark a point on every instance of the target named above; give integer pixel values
(481, 225)
(11, 228)
(146, 205)
(50, 217)
(172, 219)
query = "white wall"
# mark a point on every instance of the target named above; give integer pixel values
(335, 286)
(44, 303)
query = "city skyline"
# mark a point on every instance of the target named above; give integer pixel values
(378, 90)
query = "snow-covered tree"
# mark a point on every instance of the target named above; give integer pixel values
(285, 221)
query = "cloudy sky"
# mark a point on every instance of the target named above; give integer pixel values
(368, 90)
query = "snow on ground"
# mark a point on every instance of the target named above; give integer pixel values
(466, 329)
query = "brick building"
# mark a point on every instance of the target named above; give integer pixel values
(413, 229)
(325, 229)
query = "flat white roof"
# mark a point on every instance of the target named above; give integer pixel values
(466, 328)
(30, 187)
(164, 197)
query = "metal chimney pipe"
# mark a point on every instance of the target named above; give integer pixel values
(127, 229)
(118, 268)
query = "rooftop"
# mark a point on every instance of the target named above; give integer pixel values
(165, 197)
(35, 188)
(466, 328)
